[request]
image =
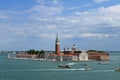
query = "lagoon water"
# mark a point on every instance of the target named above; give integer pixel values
(39, 70)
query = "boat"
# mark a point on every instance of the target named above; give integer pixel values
(83, 69)
(87, 68)
(63, 66)
(104, 63)
(70, 63)
(118, 69)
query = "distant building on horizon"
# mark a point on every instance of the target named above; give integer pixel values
(74, 54)
(67, 55)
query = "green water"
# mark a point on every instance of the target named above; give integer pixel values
(38, 70)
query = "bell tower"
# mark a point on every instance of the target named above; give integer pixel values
(57, 45)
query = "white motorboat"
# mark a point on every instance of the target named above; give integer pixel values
(63, 66)
(118, 69)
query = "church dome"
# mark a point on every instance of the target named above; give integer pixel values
(74, 47)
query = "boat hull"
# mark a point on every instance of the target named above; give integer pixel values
(63, 66)
(118, 69)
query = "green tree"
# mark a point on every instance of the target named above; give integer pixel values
(91, 51)
(31, 51)
(37, 52)
(100, 51)
(41, 54)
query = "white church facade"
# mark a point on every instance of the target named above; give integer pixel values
(83, 56)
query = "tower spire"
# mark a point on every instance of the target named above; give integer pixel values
(57, 39)
(57, 45)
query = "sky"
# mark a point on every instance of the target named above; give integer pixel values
(33, 24)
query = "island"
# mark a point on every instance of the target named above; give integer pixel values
(73, 54)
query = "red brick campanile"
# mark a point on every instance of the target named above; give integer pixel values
(57, 46)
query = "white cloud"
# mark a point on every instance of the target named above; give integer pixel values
(109, 15)
(4, 16)
(46, 2)
(55, 1)
(88, 21)
(73, 8)
(21, 34)
(111, 9)
(50, 27)
(46, 36)
(68, 36)
(96, 35)
(78, 7)
(42, 19)
(46, 10)
(45, 20)
(100, 1)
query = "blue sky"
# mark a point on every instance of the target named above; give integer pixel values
(33, 24)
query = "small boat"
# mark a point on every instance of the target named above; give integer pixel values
(118, 69)
(83, 69)
(63, 66)
(87, 68)
(70, 63)
(103, 63)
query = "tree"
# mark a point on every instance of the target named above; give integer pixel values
(91, 51)
(31, 51)
(100, 51)
(37, 52)
(41, 54)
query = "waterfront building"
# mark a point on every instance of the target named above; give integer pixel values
(67, 54)
(20, 55)
(101, 56)
(83, 56)
(74, 54)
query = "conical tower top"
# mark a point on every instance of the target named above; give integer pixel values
(57, 39)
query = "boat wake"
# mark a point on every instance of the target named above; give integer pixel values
(103, 71)
(71, 63)
(54, 69)
(46, 70)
